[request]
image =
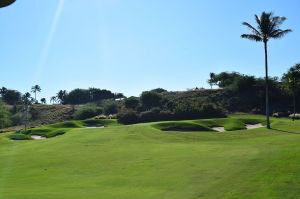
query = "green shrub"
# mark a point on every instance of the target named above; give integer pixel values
(128, 117)
(4, 116)
(87, 111)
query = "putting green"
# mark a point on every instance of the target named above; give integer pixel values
(143, 162)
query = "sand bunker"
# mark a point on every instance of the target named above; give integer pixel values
(94, 127)
(37, 137)
(254, 126)
(218, 128)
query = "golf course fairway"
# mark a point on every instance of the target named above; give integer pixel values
(144, 162)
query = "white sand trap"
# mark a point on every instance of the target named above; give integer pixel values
(94, 127)
(254, 126)
(37, 137)
(218, 128)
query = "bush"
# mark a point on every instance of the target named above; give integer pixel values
(128, 117)
(110, 108)
(131, 102)
(87, 111)
(4, 116)
(197, 110)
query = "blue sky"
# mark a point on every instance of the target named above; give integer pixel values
(130, 46)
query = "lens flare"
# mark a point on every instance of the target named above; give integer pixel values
(47, 45)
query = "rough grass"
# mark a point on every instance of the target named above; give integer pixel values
(141, 162)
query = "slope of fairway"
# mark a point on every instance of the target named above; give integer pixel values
(142, 162)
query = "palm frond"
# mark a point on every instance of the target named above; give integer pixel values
(252, 37)
(281, 33)
(254, 30)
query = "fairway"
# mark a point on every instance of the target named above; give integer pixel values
(143, 162)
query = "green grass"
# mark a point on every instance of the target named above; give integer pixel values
(180, 126)
(143, 162)
(53, 130)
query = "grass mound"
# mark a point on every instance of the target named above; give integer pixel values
(180, 126)
(19, 136)
(53, 130)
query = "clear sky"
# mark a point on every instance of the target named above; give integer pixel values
(130, 46)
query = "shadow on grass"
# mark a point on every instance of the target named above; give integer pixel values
(284, 131)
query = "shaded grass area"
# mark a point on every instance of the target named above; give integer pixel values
(61, 128)
(142, 162)
(180, 126)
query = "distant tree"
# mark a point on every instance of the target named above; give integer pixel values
(159, 90)
(78, 96)
(291, 81)
(35, 89)
(11, 97)
(268, 28)
(119, 96)
(53, 99)
(211, 79)
(110, 108)
(43, 101)
(132, 102)
(96, 95)
(150, 99)
(27, 101)
(3, 90)
(61, 96)
(4, 116)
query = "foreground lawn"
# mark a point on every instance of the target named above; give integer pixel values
(143, 162)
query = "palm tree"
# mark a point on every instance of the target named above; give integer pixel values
(211, 79)
(267, 28)
(291, 81)
(53, 99)
(61, 96)
(27, 100)
(34, 90)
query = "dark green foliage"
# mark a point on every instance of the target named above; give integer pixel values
(87, 111)
(4, 116)
(110, 108)
(128, 117)
(193, 109)
(131, 102)
(10, 97)
(151, 99)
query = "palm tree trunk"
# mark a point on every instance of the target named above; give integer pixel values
(294, 100)
(267, 86)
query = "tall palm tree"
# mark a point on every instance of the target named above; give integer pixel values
(211, 79)
(268, 27)
(34, 90)
(61, 96)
